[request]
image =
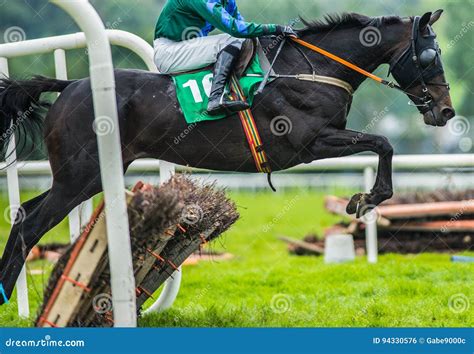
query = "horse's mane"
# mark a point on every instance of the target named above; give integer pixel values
(346, 20)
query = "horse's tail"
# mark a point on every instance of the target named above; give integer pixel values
(21, 107)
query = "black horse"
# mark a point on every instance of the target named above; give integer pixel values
(152, 125)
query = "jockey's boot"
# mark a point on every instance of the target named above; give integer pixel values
(219, 102)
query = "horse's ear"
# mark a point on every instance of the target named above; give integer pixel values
(424, 21)
(435, 16)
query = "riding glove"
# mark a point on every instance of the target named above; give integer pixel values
(286, 31)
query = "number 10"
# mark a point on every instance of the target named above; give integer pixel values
(196, 91)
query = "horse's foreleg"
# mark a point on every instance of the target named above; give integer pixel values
(340, 143)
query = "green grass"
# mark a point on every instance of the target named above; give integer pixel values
(264, 286)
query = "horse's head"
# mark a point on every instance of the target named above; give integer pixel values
(418, 69)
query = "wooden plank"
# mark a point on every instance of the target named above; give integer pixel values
(82, 271)
(338, 205)
(149, 260)
(439, 225)
(156, 277)
(427, 209)
(303, 244)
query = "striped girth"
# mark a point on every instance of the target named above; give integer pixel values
(250, 130)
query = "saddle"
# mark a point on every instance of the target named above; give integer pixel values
(248, 52)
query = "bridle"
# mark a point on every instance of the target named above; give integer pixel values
(417, 65)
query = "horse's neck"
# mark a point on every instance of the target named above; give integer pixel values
(348, 45)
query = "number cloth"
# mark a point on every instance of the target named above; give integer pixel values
(193, 90)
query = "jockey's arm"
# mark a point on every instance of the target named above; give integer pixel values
(233, 24)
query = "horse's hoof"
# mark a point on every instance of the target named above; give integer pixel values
(363, 209)
(354, 203)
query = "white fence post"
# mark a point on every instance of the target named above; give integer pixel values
(370, 225)
(79, 216)
(167, 170)
(171, 287)
(60, 66)
(15, 202)
(110, 155)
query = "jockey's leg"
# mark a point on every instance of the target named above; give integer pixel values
(219, 102)
(174, 57)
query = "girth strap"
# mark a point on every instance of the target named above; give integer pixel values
(329, 80)
(251, 131)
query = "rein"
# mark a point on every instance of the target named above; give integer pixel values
(328, 79)
(342, 61)
(354, 67)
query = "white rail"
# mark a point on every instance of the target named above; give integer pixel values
(78, 41)
(353, 163)
(367, 164)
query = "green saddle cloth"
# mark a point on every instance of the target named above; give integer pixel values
(193, 91)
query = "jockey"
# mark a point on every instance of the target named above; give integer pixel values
(182, 42)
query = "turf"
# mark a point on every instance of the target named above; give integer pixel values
(264, 286)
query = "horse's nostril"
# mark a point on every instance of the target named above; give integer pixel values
(448, 112)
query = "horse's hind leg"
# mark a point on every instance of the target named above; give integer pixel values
(14, 240)
(25, 209)
(47, 213)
